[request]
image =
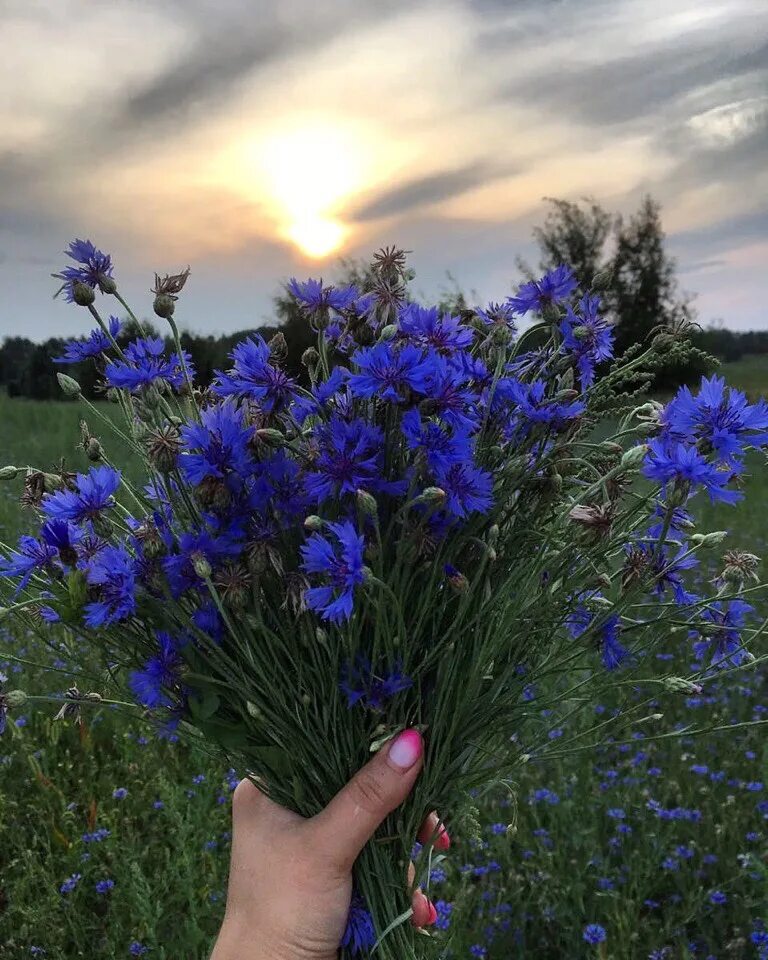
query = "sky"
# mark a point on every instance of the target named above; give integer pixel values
(260, 140)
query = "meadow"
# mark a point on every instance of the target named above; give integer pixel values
(114, 843)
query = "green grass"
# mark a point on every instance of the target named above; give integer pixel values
(535, 889)
(749, 374)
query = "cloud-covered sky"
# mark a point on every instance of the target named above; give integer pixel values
(255, 140)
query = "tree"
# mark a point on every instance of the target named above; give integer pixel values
(640, 289)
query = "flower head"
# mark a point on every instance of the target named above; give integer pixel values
(75, 351)
(93, 493)
(360, 934)
(594, 934)
(316, 297)
(112, 572)
(674, 463)
(341, 562)
(254, 377)
(429, 327)
(361, 685)
(145, 363)
(350, 457)
(389, 372)
(94, 270)
(550, 289)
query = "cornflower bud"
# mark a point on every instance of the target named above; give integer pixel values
(93, 450)
(314, 523)
(634, 456)
(15, 699)
(387, 333)
(367, 503)
(278, 346)
(602, 280)
(164, 305)
(201, 566)
(68, 385)
(681, 685)
(458, 582)
(9, 473)
(431, 495)
(709, 540)
(82, 294)
(107, 284)
(310, 358)
(271, 436)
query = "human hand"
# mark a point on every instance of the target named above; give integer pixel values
(290, 882)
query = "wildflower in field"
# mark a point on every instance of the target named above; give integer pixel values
(317, 297)
(389, 372)
(594, 934)
(722, 623)
(93, 493)
(359, 935)
(218, 447)
(104, 886)
(361, 685)
(120, 793)
(342, 563)
(686, 469)
(160, 674)
(112, 573)
(137, 949)
(98, 342)
(145, 364)
(70, 883)
(718, 898)
(587, 337)
(94, 270)
(537, 295)
(32, 555)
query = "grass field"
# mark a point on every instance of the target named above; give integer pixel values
(662, 839)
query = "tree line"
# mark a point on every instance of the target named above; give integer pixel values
(637, 278)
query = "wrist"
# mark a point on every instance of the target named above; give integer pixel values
(241, 940)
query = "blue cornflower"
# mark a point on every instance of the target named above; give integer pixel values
(389, 372)
(478, 950)
(70, 883)
(218, 446)
(360, 934)
(594, 934)
(666, 571)
(719, 417)
(349, 458)
(120, 793)
(342, 563)
(137, 949)
(94, 493)
(65, 538)
(75, 351)
(612, 652)
(498, 315)
(684, 466)
(429, 327)
(316, 297)
(214, 544)
(449, 395)
(323, 394)
(553, 287)
(104, 886)
(32, 555)
(724, 622)
(95, 268)
(444, 911)
(145, 363)
(588, 337)
(371, 690)
(113, 572)
(160, 673)
(468, 489)
(532, 406)
(544, 795)
(616, 813)
(718, 897)
(253, 377)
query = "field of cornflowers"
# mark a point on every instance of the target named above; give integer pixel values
(114, 843)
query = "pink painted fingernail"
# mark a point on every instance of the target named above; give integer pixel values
(405, 750)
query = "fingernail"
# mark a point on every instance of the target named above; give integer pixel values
(405, 750)
(443, 840)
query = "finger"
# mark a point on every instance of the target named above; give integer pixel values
(351, 818)
(251, 808)
(433, 831)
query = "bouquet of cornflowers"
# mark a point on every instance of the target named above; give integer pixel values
(438, 514)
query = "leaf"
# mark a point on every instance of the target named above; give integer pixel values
(395, 923)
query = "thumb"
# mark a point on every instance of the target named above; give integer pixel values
(341, 830)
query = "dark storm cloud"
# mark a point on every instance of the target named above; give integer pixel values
(632, 87)
(424, 190)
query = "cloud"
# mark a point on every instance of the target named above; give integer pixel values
(429, 189)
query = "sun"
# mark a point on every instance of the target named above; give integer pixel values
(308, 170)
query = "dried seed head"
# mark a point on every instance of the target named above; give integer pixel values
(636, 568)
(278, 346)
(738, 568)
(597, 518)
(295, 586)
(163, 447)
(214, 494)
(164, 305)
(171, 284)
(234, 584)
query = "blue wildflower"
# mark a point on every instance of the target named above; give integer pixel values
(65, 538)
(532, 406)
(389, 372)
(322, 395)
(612, 652)
(360, 934)
(160, 673)
(552, 288)
(32, 555)
(718, 897)
(137, 949)
(588, 337)
(349, 458)
(104, 886)
(594, 934)
(360, 684)
(218, 446)
(213, 544)
(95, 268)
(93, 493)
(120, 793)
(112, 571)
(687, 469)
(316, 297)
(498, 315)
(253, 377)
(70, 883)
(76, 351)
(429, 327)
(468, 489)
(145, 363)
(450, 397)
(342, 563)
(444, 911)
(724, 621)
